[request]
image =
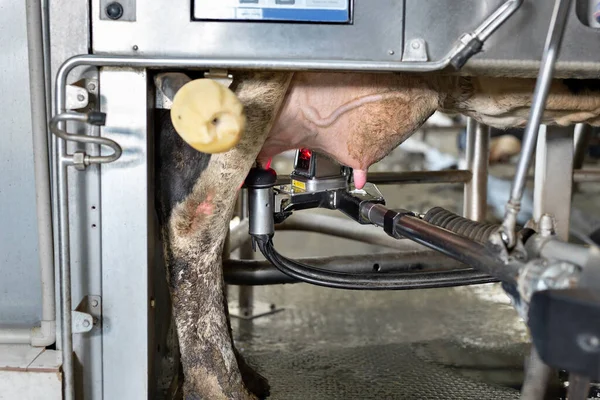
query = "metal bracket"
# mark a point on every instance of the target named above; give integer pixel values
(82, 322)
(258, 309)
(87, 314)
(77, 97)
(416, 50)
(220, 75)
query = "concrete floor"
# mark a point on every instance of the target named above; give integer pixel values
(458, 343)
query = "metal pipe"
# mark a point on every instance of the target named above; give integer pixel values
(544, 81)
(474, 254)
(495, 20)
(586, 175)
(258, 273)
(343, 228)
(44, 335)
(477, 157)
(65, 275)
(579, 387)
(557, 249)
(245, 293)
(583, 135)
(579, 176)
(15, 336)
(61, 202)
(55, 123)
(537, 376)
(45, 27)
(409, 177)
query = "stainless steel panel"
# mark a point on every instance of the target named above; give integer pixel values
(69, 36)
(166, 29)
(516, 46)
(127, 236)
(20, 288)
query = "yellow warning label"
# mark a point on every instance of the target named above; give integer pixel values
(298, 184)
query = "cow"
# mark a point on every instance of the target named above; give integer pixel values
(356, 118)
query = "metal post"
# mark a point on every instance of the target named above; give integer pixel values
(583, 135)
(554, 177)
(477, 158)
(551, 52)
(537, 376)
(579, 387)
(552, 195)
(245, 293)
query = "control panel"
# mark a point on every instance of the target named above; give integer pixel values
(318, 11)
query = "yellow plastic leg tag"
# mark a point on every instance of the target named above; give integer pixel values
(208, 116)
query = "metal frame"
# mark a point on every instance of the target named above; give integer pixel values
(63, 160)
(152, 34)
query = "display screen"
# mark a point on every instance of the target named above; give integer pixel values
(324, 11)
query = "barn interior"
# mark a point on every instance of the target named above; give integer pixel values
(364, 295)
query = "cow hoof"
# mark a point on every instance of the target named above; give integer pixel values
(208, 116)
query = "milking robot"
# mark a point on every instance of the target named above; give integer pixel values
(80, 195)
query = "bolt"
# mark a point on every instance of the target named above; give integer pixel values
(415, 44)
(95, 303)
(273, 307)
(152, 303)
(86, 323)
(80, 97)
(114, 10)
(135, 47)
(91, 86)
(546, 225)
(589, 343)
(391, 52)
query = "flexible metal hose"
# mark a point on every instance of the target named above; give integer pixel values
(473, 230)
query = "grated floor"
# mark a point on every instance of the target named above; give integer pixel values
(461, 343)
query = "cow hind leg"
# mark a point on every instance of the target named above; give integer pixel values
(195, 195)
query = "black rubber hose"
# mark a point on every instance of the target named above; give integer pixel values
(341, 280)
(261, 273)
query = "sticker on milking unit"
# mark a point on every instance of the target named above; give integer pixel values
(298, 184)
(318, 11)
